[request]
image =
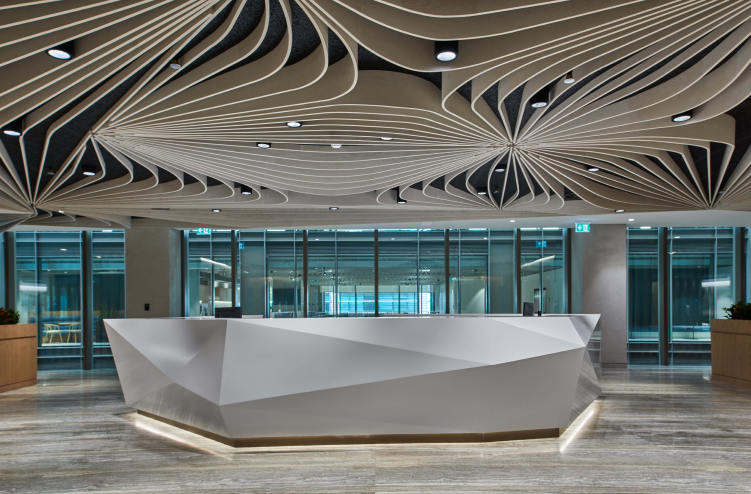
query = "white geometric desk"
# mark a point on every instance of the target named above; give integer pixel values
(266, 382)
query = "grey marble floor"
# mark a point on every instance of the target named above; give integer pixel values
(653, 430)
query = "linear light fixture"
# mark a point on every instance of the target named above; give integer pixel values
(214, 262)
(543, 259)
(711, 283)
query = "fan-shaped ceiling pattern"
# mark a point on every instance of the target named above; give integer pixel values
(160, 110)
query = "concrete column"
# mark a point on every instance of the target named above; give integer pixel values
(599, 273)
(152, 272)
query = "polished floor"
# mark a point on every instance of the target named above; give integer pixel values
(653, 430)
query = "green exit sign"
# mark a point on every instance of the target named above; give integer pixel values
(582, 227)
(203, 231)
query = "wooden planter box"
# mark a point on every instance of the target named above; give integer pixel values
(731, 351)
(18, 356)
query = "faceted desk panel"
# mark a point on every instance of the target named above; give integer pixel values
(304, 381)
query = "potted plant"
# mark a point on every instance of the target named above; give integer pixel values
(9, 316)
(18, 347)
(731, 340)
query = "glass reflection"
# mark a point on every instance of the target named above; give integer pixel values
(542, 276)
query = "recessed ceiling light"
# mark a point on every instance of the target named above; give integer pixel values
(684, 116)
(61, 212)
(175, 64)
(64, 250)
(631, 219)
(216, 210)
(593, 169)
(499, 170)
(294, 124)
(387, 138)
(482, 191)
(89, 170)
(62, 52)
(620, 210)
(334, 208)
(14, 128)
(446, 51)
(98, 257)
(569, 79)
(245, 190)
(336, 146)
(513, 221)
(264, 145)
(541, 99)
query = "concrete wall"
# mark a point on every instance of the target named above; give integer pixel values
(152, 272)
(599, 273)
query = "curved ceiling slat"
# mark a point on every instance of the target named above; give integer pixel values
(172, 144)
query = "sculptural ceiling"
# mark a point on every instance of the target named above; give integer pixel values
(159, 112)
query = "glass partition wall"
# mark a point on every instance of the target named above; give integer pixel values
(701, 285)
(49, 292)
(542, 273)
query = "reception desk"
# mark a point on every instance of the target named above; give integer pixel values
(270, 382)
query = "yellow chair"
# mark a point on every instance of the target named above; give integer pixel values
(50, 330)
(75, 329)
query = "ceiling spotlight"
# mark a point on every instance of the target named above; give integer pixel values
(61, 212)
(513, 221)
(334, 208)
(387, 138)
(14, 128)
(294, 124)
(482, 191)
(620, 210)
(569, 79)
(631, 219)
(245, 190)
(264, 145)
(89, 170)
(399, 200)
(593, 169)
(216, 210)
(336, 146)
(446, 51)
(62, 52)
(495, 191)
(175, 64)
(541, 99)
(499, 170)
(684, 116)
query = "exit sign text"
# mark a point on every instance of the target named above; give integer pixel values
(582, 227)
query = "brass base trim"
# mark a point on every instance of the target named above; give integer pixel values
(19, 385)
(731, 380)
(266, 442)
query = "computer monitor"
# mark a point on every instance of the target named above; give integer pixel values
(228, 313)
(528, 309)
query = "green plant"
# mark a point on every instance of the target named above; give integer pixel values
(9, 316)
(740, 310)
